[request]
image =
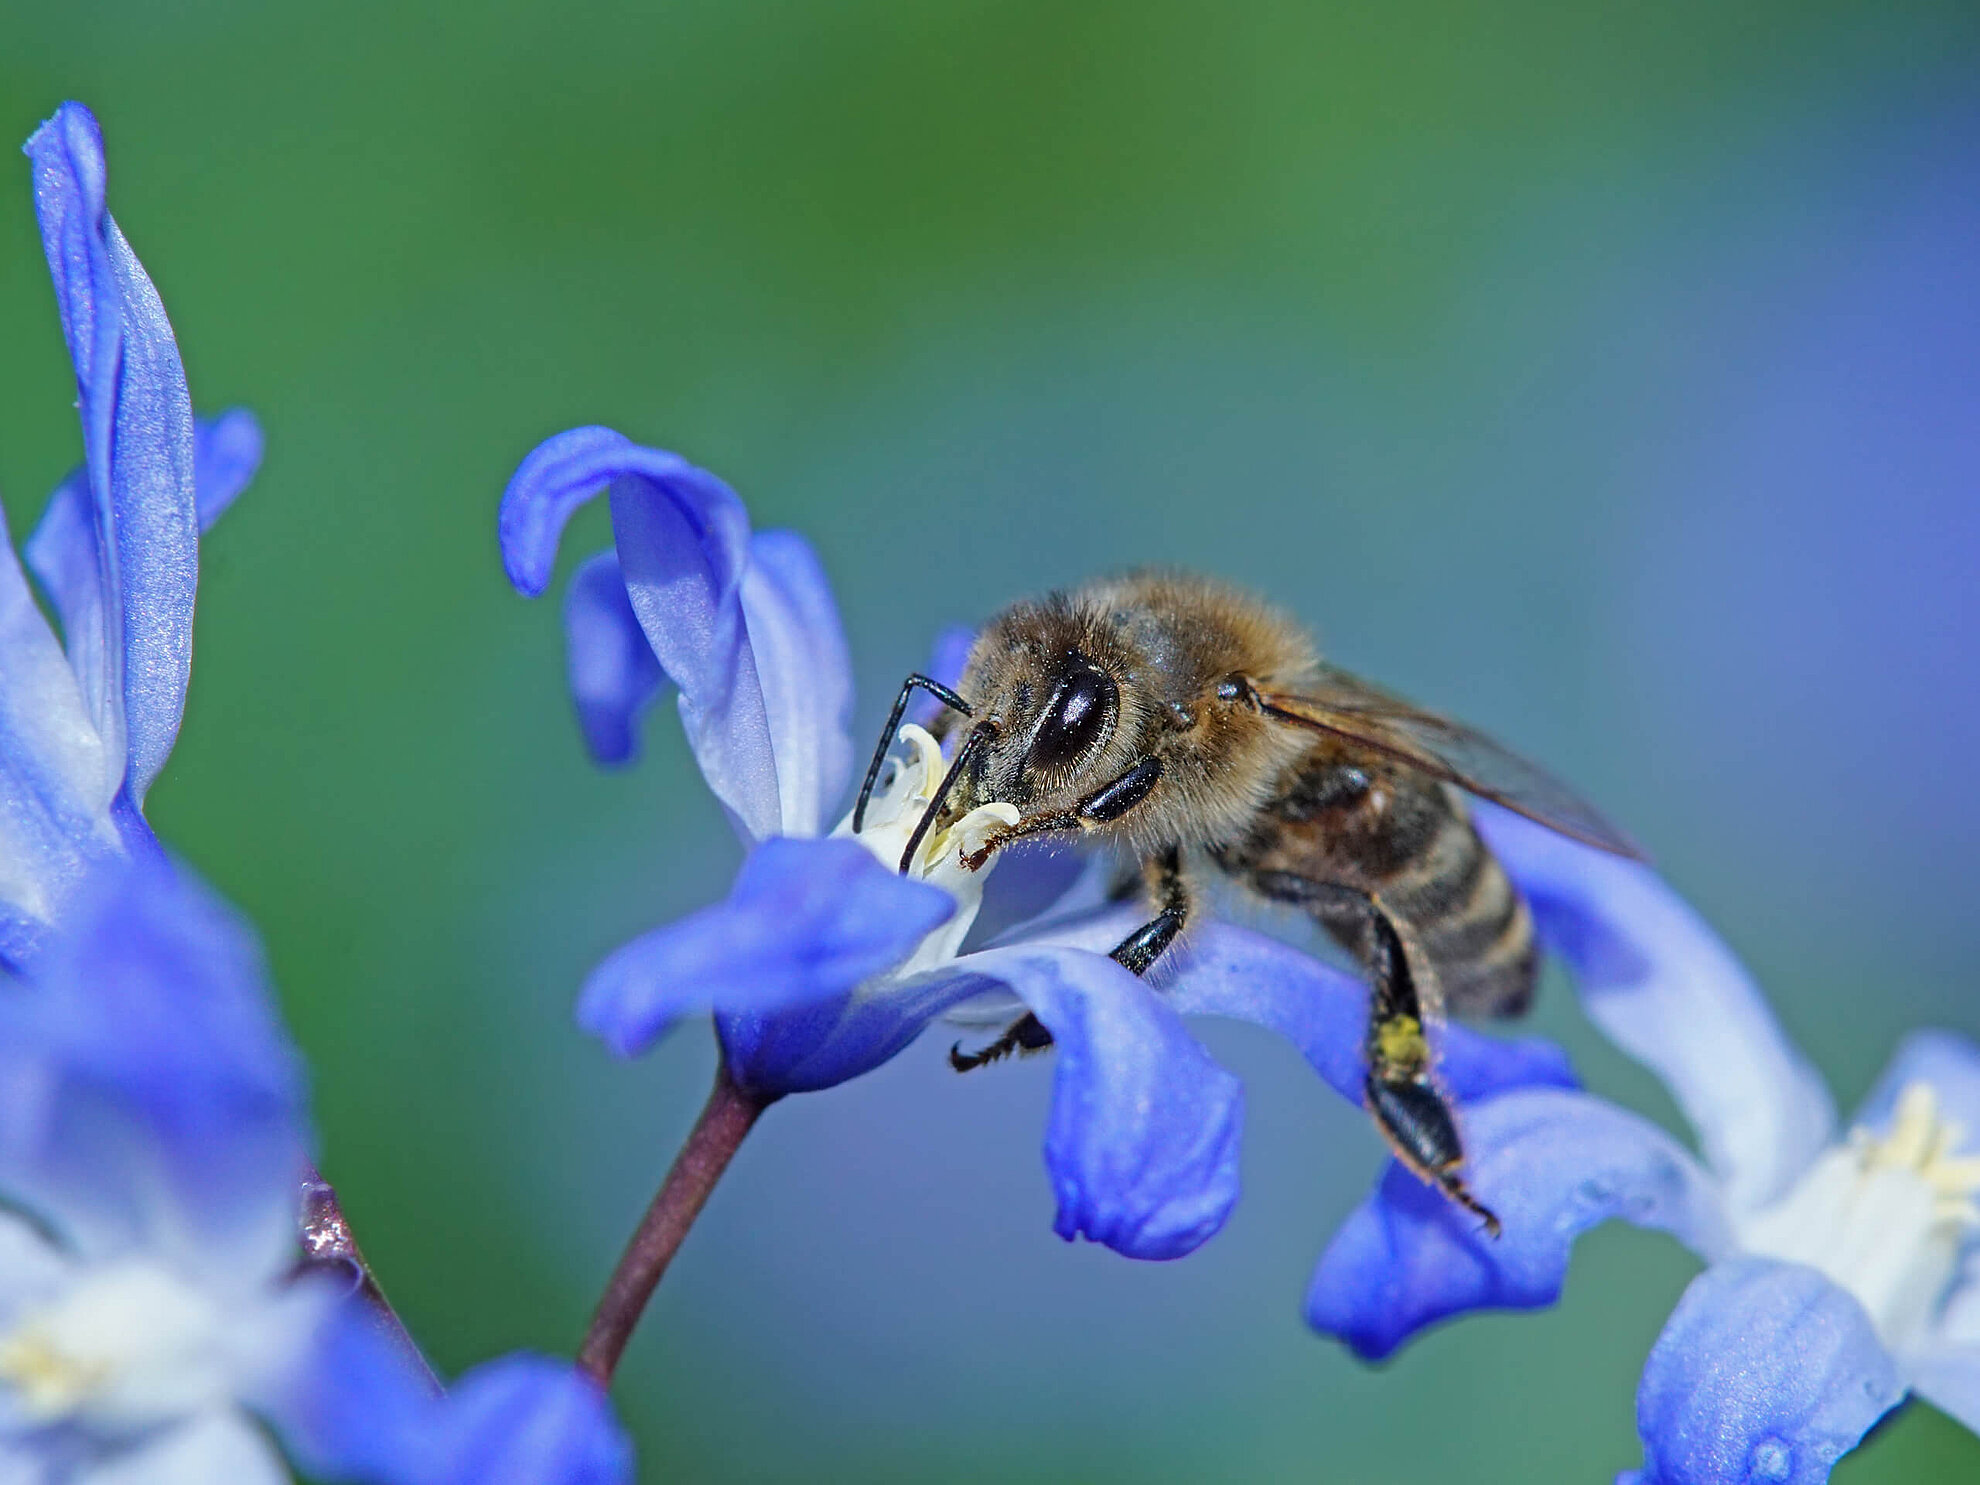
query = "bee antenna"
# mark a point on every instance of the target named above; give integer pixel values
(915, 682)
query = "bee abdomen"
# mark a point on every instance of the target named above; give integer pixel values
(1469, 921)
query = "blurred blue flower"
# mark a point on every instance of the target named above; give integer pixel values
(83, 735)
(153, 1140)
(1841, 1273)
(151, 1148)
(822, 962)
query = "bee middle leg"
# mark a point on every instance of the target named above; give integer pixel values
(1135, 953)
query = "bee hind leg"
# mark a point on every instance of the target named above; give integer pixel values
(1408, 1109)
(1136, 953)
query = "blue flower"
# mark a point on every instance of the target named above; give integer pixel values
(1841, 1273)
(153, 1142)
(151, 1147)
(823, 962)
(84, 734)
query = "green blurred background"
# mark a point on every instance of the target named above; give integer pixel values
(1602, 373)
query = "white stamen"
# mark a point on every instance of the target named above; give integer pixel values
(127, 1346)
(891, 817)
(1882, 1217)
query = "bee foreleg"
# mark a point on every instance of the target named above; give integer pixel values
(1135, 953)
(1408, 1109)
(1109, 802)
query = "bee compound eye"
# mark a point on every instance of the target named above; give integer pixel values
(1076, 719)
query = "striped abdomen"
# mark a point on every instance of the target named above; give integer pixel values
(1346, 824)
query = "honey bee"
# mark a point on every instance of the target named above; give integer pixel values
(1180, 720)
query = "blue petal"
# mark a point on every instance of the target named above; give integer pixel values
(805, 922)
(138, 448)
(684, 547)
(1143, 1139)
(1224, 970)
(148, 1095)
(1551, 1164)
(614, 675)
(1766, 1371)
(1666, 989)
(360, 1408)
(831, 1041)
(226, 456)
(806, 674)
(364, 1413)
(69, 564)
(55, 782)
(1944, 1059)
(529, 1420)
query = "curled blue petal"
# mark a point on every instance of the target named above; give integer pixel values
(614, 675)
(1551, 1164)
(138, 451)
(1666, 989)
(1765, 1371)
(805, 922)
(1947, 1061)
(1142, 1144)
(684, 546)
(1224, 970)
(226, 456)
(806, 674)
(148, 1095)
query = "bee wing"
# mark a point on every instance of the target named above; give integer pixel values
(1348, 707)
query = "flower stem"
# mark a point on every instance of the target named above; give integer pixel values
(328, 1242)
(729, 1114)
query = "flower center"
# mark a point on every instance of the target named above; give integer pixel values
(126, 1346)
(1882, 1217)
(891, 816)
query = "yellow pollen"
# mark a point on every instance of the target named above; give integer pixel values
(1399, 1042)
(50, 1381)
(1922, 1142)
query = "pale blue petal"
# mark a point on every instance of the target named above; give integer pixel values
(806, 921)
(1947, 1061)
(138, 447)
(1765, 1372)
(684, 546)
(1666, 989)
(806, 673)
(1948, 1377)
(614, 675)
(226, 455)
(1224, 970)
(1551, 1164)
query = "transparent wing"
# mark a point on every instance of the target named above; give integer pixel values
(1348, 707)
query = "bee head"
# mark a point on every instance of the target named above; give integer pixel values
(1057, 698)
